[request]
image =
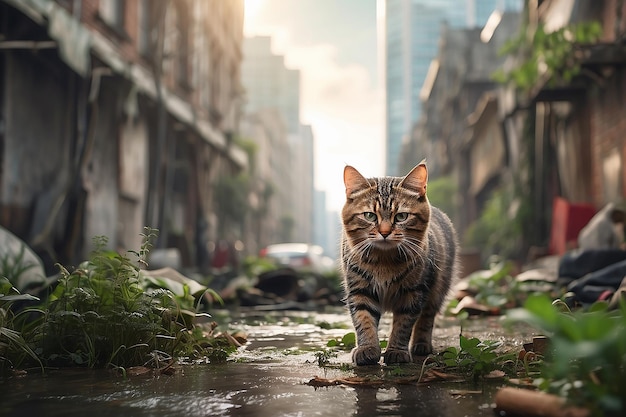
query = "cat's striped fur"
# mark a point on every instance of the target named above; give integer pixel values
(398, 254)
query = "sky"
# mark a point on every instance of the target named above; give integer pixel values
(334, 45)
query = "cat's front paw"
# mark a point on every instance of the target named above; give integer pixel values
(366, 355)
(396, 356)
(421, 349)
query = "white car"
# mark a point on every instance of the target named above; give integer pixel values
(299, 256)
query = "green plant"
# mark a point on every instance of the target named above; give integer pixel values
(13, 266)
(496, 287)
(474, 357)
(441, 192)
(554, 56)
(347, 342)
(100, 314)
(254, 266)
(326, 325)
(499, 228)
(323, 357)
(587, 359)
(107, 312)
(13, 347)
(146, 244)
(231, 199)
(250, 147)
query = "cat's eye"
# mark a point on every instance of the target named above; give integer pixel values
(370, 217)
(400, 217)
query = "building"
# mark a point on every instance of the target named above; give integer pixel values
(269, 83)
(302, 174)
(459, 82)
(273, 89)
(544, 151)
(572, 128)
(412, 33)
(116, 115)
(272, 181)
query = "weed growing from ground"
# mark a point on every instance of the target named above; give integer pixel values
(13, 266)
(323, 357)
(105, 313)
(99, 314)
(475, 358)
(586, 362)
(14, 349)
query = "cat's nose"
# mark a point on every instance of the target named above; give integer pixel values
(384, 228)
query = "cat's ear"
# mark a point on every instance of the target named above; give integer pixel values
(353, 180)
(417, 179)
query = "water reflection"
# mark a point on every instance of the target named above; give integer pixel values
(234, 389)
(404, 400)
(267, 379)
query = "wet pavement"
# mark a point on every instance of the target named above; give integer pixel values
(267, 377)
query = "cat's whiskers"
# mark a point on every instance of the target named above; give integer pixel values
(360, 251)
(413, 245)
(402, 252)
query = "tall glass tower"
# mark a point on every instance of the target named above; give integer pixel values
(411, 32)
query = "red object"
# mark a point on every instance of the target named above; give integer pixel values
(567, 221)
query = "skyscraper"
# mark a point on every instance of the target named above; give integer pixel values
(273, 102)
(411, 32)
(268, 83)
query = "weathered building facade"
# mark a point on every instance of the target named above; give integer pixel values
(553, 138)
(116, 115)
(577, 124)
(451, 134)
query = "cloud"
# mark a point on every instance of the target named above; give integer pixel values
(345, 91)
(343, 106)
(346, 112)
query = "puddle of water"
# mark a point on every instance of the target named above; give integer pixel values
(267, 378)
(233, 389)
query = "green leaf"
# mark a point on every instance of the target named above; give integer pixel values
(18, 297)
(450, 362)
(450, 352)
(349, 340)
(468, 343)
(598, 306)
(465, 362)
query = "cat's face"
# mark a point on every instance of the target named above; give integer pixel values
(386, 214)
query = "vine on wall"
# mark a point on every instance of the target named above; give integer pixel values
(555, 57)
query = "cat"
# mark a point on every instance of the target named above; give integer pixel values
(398, 254)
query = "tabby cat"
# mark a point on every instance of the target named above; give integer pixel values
(398, 254)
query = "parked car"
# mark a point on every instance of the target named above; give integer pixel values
(299, 256)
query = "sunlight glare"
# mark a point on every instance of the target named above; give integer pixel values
(251, 8)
